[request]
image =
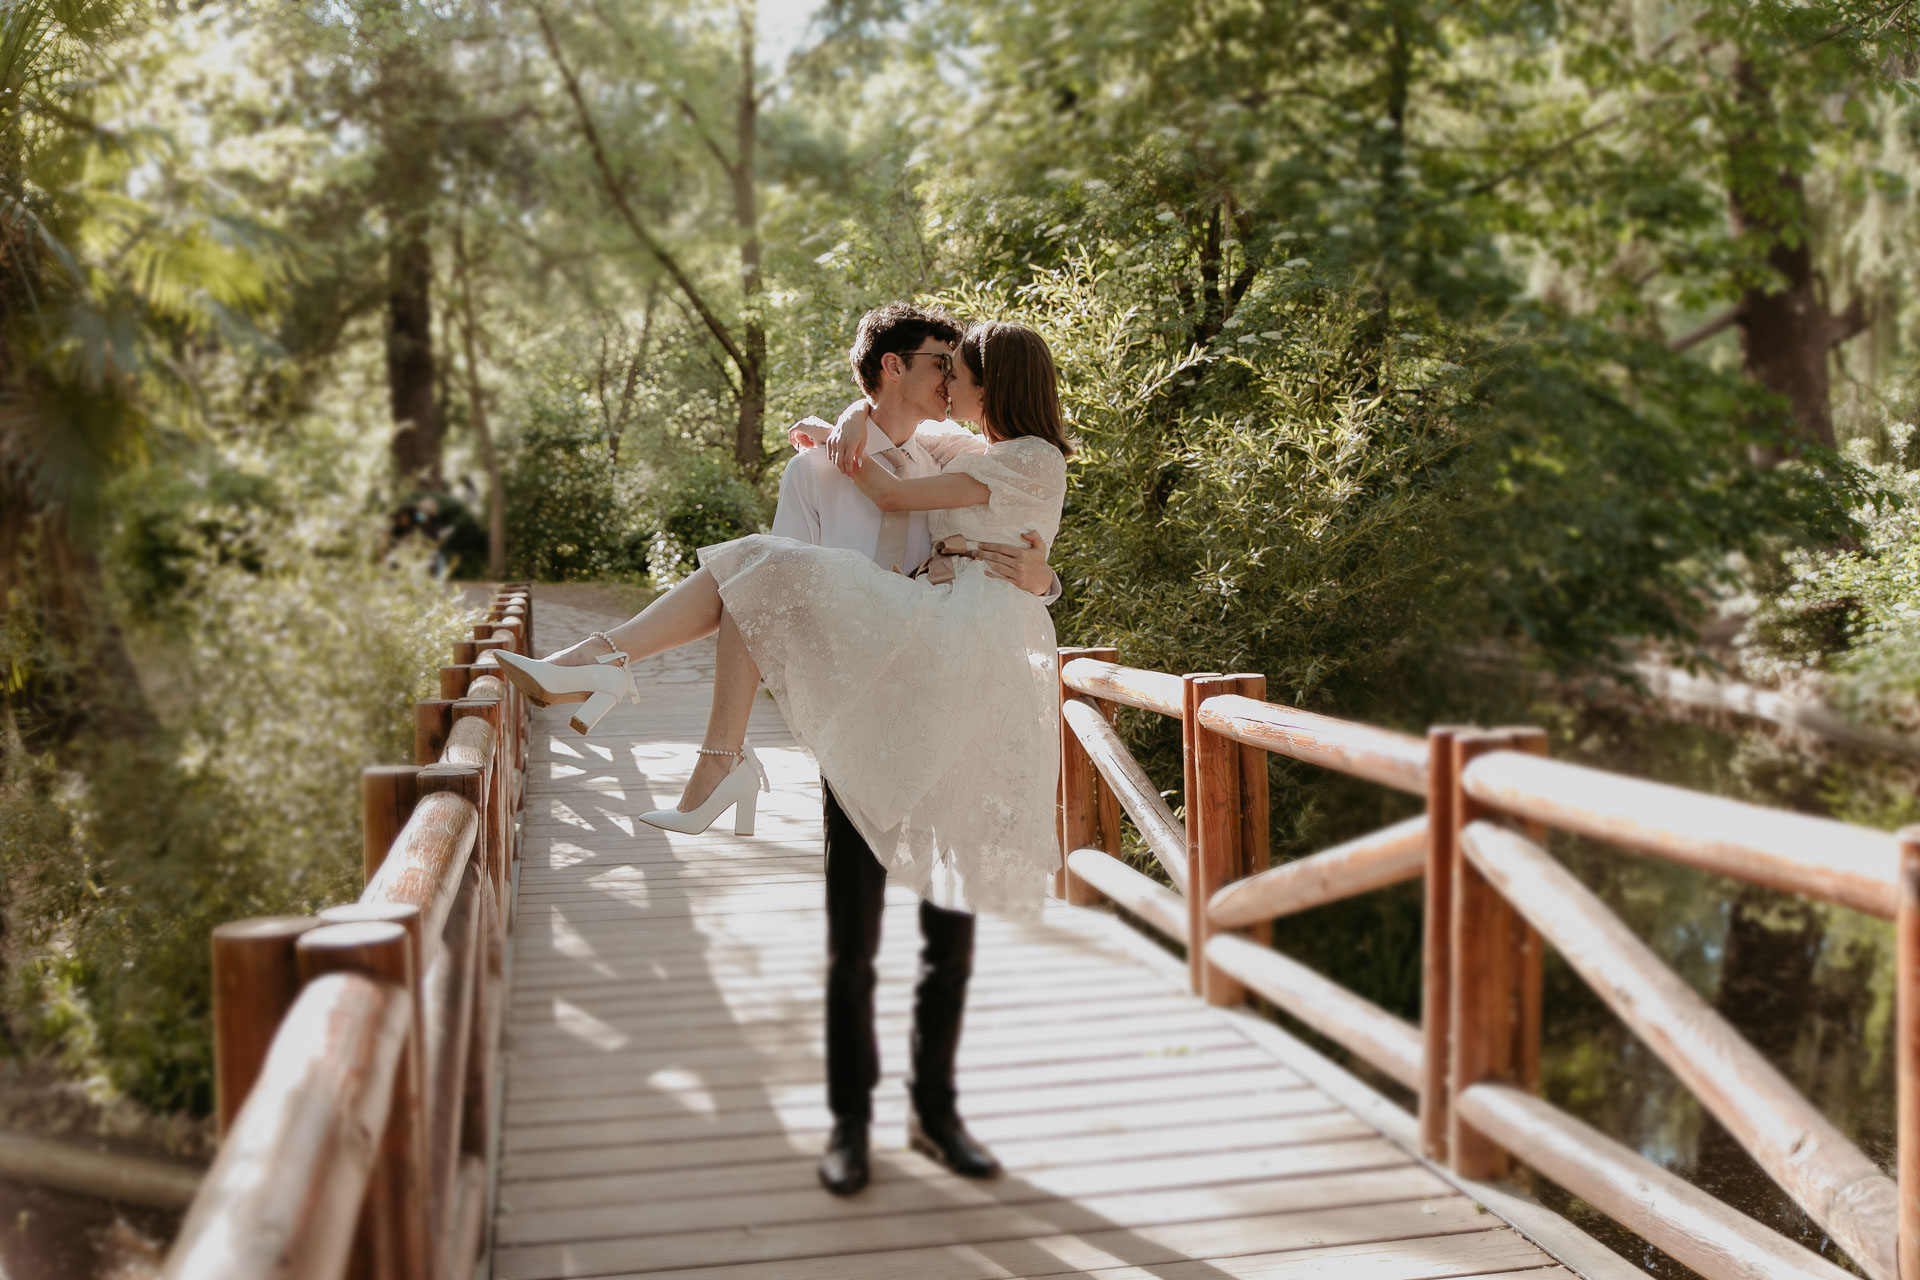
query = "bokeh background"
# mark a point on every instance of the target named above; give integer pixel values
(1442, 362)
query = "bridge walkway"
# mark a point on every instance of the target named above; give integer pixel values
(664, 1099)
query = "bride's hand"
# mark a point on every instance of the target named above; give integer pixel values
(808, 433)
(848, 442)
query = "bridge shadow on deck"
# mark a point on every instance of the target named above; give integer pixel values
(665, 1103)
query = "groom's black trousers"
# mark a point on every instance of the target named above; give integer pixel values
(856, 889)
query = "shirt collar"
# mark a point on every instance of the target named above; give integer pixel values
(878, 441)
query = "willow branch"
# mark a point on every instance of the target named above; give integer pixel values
(617, 194)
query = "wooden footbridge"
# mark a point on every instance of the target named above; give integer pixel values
(551, 1041)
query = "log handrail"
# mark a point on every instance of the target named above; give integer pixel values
(1165, 835)
(1792, 852)
(1152, 901)
(1389, 856)
(1828, 1176)
(1389, 1043)
(1129, 686)
(331, 1148)
(313, 1123)
(1494, 898)
(1396, 760)
(1668, 1212)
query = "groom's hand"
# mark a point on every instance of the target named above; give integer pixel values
(1024, 566)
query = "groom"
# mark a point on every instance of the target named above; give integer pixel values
(903, 360)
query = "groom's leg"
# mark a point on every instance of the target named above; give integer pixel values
(939, 1004)
(856, 893)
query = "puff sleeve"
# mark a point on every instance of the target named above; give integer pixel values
(1026, 479)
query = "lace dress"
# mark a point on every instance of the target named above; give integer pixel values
(933, 710)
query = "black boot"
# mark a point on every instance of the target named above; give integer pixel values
(947, 1142)
(843, 1167)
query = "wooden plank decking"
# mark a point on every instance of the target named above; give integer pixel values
(664, 1098)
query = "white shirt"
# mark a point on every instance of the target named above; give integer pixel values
(819, 504)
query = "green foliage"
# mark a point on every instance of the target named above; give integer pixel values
(107, 281)
(701, 503)
(1838, 623)
(283, 652)
(567, 504)
(1358, 526)
(1287, 503)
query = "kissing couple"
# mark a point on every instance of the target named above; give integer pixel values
(898, 614)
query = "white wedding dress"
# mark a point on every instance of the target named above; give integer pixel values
(933, 710)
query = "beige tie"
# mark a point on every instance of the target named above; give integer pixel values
(893, 524)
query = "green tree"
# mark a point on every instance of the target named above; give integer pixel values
(107, 285)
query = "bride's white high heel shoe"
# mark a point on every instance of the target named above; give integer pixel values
(740, 789)
(604, 681)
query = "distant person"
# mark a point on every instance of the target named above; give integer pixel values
(927, 694)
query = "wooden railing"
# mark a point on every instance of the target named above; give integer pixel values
(355, 1052)
(1493, 898)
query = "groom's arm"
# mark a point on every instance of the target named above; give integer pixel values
(797, 515)
(1024, 565)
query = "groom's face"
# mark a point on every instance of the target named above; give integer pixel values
(924, 377)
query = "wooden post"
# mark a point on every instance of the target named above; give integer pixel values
(454, 681)
(1079, 799)
(254, 984)
(1532, 950)
(1256, 849)
(496, 816)
(522, 592)
(432, 722)
(1436, 958)
(404, 914)
(1189, 789)
(1213, 826)
(386, 802)
(488, 958)
(469, 783)
(1494, 990)
(465, 652)
(394, 1224)
(1906, 1042)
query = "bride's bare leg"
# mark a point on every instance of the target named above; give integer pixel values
(736, 681)
(690, 611)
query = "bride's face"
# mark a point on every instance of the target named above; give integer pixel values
(965, 390)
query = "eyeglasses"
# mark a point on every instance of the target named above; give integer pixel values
(946, 361)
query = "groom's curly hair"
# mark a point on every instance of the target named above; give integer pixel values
(895, 329)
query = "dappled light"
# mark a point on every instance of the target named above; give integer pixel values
(1354, 567)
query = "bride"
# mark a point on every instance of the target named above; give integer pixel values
(929, 701)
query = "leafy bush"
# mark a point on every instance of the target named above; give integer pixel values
(570, 516)
(1359, 518)
(695, 504)
(1346, 518)
(280, 653)
(1839, 624)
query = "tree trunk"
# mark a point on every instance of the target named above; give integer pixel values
(749, 452)
(410, 376)
(477, 411)
(54, 592)
(1784, 332)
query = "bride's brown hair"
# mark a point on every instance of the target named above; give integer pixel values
(1019, 390)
